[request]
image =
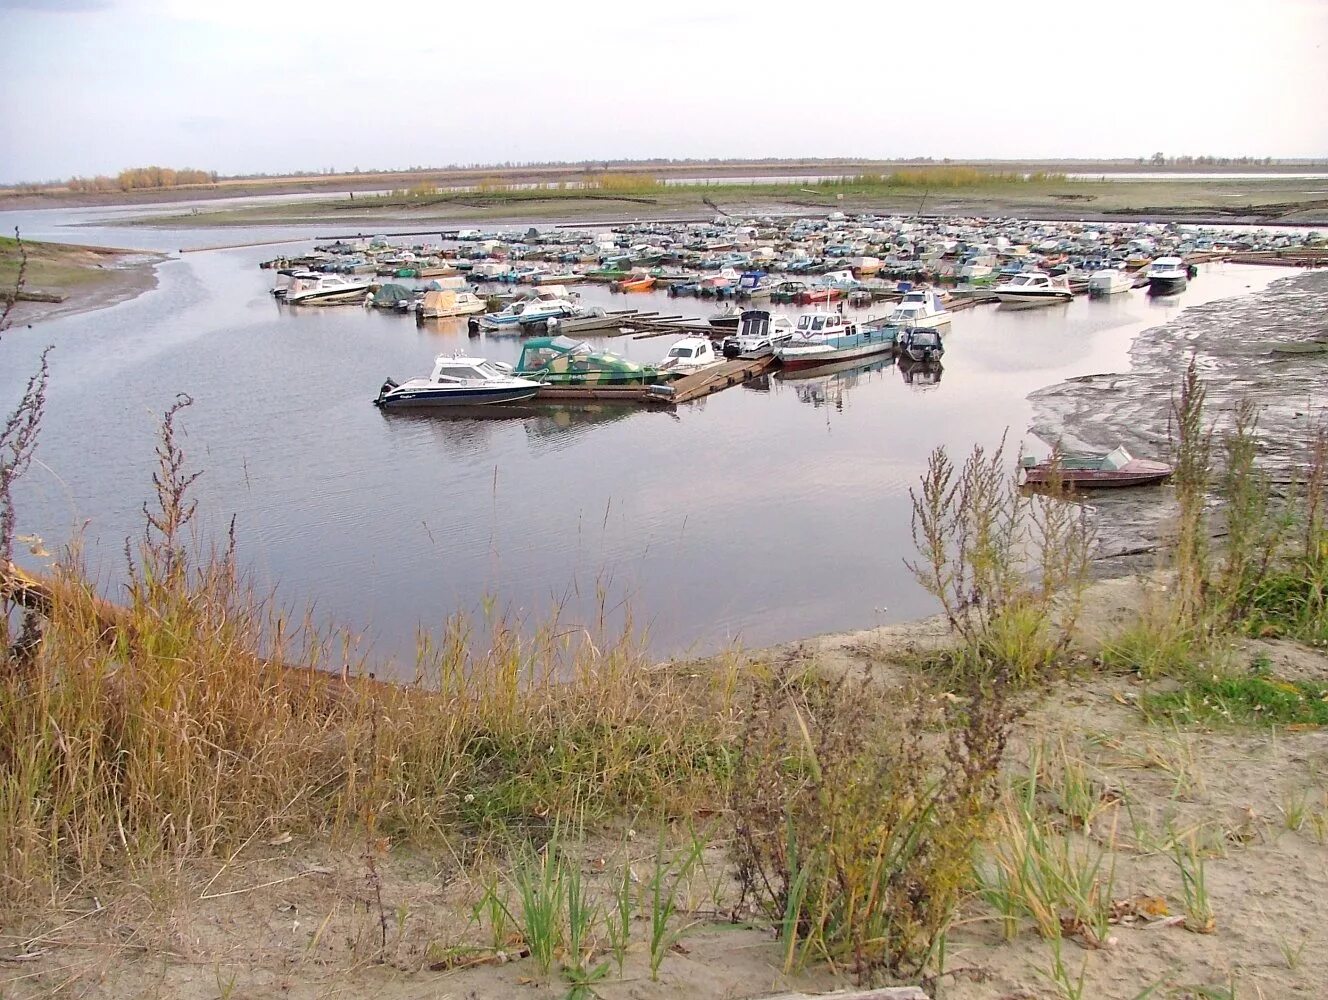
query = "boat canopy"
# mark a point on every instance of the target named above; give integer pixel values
(563, 354)
(392, 294)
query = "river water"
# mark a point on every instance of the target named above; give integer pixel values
(762, 514)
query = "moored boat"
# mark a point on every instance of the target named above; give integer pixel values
(828, 338)
(457, 380)
(688, 356)
(442, 304)
(1167, 276)
(758, 334)
(564, 361)
(920, 308)
(1033, 287)
(326, 289)
(1109, 281)
(1108, 470)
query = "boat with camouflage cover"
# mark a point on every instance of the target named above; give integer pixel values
(564, 361)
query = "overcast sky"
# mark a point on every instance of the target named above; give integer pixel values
(238, 86)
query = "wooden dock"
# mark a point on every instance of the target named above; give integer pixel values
(685, 389)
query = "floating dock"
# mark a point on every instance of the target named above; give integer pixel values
(685, 389)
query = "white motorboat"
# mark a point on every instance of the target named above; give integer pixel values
(441, 304)
(325, 289)
(920, 309)
(1167, 276)
(815, 339)
(758, 334)
(528, 312)
(689, 355)
(457, 380)
(1033, 287)
(1109, 281)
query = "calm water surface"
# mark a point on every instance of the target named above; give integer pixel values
(764, 513)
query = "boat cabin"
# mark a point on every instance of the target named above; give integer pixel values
(823, 325)
(449, 370)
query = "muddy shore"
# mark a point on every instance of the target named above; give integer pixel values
(1237, 345)
(66, 279)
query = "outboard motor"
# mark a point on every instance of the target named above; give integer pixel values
(473, 326)
(387, 387)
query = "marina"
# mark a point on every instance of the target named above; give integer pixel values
(643, 493)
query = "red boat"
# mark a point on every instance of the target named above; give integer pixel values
(1111, 470)
(820, 294)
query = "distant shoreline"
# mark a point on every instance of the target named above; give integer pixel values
(52, 196)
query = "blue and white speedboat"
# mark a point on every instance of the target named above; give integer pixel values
(528, 312)
(459, 381)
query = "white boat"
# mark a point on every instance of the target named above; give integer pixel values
(441, 304)
(1167, 276)
(689, 355)
(489, 270)
(528, 312)
(458, 381)
(920, 309)
(977, 266)
(814, 338)
(1034, 287)
(1109, 281)
(326, 289)
(758, 334)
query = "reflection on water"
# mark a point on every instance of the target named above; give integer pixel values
(771, 512)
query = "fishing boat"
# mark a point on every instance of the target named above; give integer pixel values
(827, 338)
(442, 304)
(920, 308)
(1166, 276)
(564, 361)
(1109, 281)
(690, 355)
(758, 335)
(326, 289)
(922, 345)
(1108, 470)
(1033, 287)
(458, 381)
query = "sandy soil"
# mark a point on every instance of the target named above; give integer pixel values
(300, 918)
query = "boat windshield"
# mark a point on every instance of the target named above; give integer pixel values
(457, 373)
(680, 352)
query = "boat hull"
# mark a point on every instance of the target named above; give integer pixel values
(1166, 286)
(1033, 298)
(797, 359)
(1095, 479)
(450, 397)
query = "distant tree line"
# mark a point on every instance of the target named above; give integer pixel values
(142, 178)
(1163, 160)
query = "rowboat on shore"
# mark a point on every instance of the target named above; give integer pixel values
(1108, 470)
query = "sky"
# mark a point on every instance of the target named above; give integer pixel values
(246, 86)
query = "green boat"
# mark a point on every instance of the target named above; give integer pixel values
(564, 361)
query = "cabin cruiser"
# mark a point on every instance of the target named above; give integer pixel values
(458, 381)
(1034, 287)
(920, 309)
(820, 338)
(1167, 276)
(321, 289)
(690, 355)
(528, 312)
(758, 335)
(1109, 281)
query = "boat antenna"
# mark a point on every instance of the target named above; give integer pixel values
(925, 191)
